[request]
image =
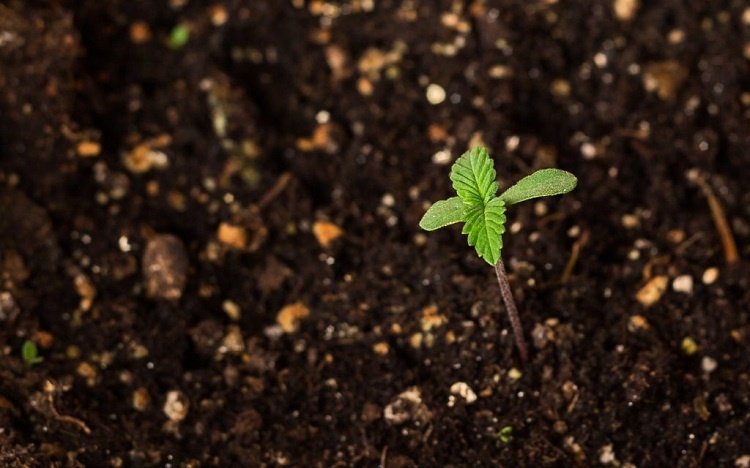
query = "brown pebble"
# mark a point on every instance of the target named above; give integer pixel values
(232, 235)
(289, 316)
(140, 32)
(652, 291)
(165, 265)
(88, 149)
(326, 233)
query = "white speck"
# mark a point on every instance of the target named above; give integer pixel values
(124, 244)
(600, 60)
(323, 117)
(588, 150)
(435, 94)
(708, 364)
(683, 284)
(511, 143)
(388, 200)
(442, 157)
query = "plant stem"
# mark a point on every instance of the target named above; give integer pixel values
(510, 306)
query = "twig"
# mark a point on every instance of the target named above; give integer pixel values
(720, 218)
(275, 190)
(510, 306)
(575, 251)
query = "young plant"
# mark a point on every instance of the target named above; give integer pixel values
(483, 214)
(30, 353)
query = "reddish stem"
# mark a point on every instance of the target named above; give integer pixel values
(510, 306)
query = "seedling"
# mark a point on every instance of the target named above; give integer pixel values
(30, 353)
(483, 214)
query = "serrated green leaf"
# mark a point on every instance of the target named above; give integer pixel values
(443, 213)
(485, 225)
(542, 183)
(473, 176)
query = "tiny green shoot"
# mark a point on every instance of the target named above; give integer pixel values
(30, 353)
(482, 211)
(179, 36)
(505, 434)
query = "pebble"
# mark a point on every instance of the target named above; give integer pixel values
(744, 460)
(709, 364)
(710, 275)
(463, 390)
(637, 323)
(141, 399)
(688, 346)
(165, 264)
(683, 284)
(232, 310)
(435, 94)
(664, 78)
(407, 406)
(176, 406)
(290, 316)
(88, 149)
(625, 10)
(326, 232)
(650, 294)
(232, 235)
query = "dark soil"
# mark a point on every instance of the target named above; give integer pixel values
(215, 244)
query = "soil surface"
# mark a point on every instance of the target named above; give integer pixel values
(209, 229)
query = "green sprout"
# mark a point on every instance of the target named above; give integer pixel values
(179, 36)
(505, 434)
(30, 353)
(483, 213)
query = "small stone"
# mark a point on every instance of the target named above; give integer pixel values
(710, 275)
(607, 455)
(232, 235)
(219, 15)
(85, 289)
(683, 284)
(233, 343)
(431, 318)
(442, 157)
(514, 374)
(165, 264)
(381, 348)
(637, 323)
(141, 399)
(463, 390)
(407, 406)
(176, 406)
(289, 317)
(629, 221)
(625, 10)
(326, 232)
(560, 87)
(708, 364)
(231, 309)
(140, 32)
(88, 372)
(650, 294)
(88, 149)
(688, 346)
(744, 460)
(143, 158)
(435, 94)
(746, 22)
(664, 78)
(44, 339)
